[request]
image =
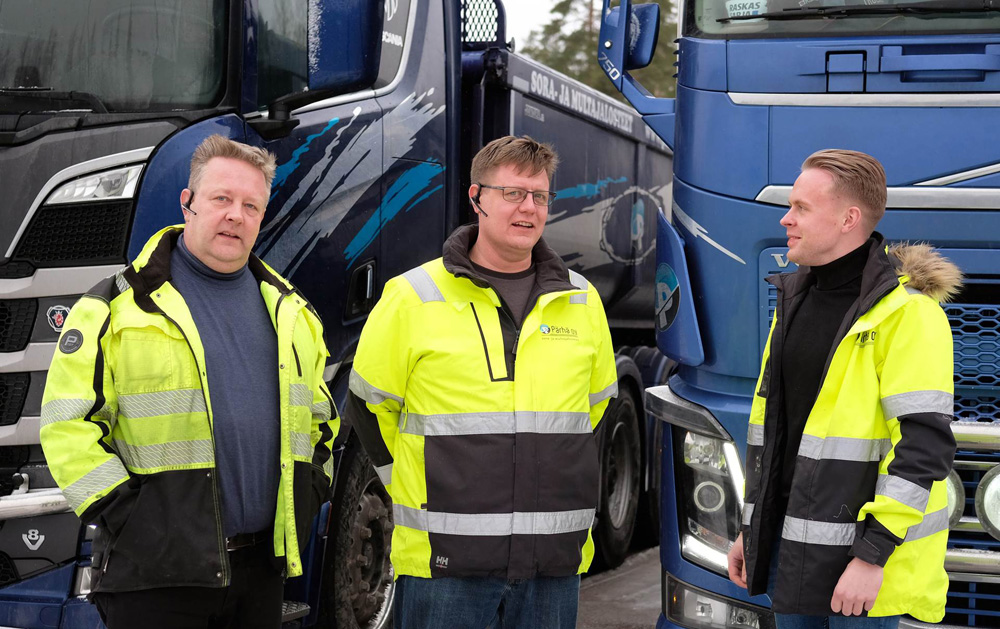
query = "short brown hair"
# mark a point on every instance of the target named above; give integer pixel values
(523, 153)
(857, 175)
(219, 146)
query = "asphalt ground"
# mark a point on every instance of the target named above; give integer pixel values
(627, 597)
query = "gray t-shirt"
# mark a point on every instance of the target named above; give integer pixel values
(241, 356)
(513, 288)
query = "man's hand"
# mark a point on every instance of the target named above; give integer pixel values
(857, 589)
(737, 567)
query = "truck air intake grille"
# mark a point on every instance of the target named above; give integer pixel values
(972, 605)
(17, 317)
(13, 392)
(74, 235)
(16, 268)
(977, 344)
(480, 22)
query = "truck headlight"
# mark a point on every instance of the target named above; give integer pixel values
(691, 607)
(956, 498)
(118, 183)
(988, 501)
(709, 497)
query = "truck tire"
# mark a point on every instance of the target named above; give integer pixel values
(621, 459)
(357, 576)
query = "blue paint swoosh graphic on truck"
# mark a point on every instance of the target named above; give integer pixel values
(282, 172)
(588, 190)
(403, 192)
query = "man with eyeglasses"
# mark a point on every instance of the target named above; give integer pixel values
(479, 380)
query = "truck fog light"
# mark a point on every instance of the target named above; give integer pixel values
(691, 607)
(709, 496)
(988, 501)
(956, 498)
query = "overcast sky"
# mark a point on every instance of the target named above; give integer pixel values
(524, 16)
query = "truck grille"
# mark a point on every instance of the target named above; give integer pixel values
(480, 22)
(976, 331)
(973, 604)
(17, 318)
(78, 234)
(13, 393)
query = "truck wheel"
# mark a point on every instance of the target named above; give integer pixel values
(357, 578)
(620, 461)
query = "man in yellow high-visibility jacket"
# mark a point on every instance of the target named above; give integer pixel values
(846, 515)
(185, 414)
(477, 385)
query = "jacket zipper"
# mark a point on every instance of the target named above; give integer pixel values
(215, 477)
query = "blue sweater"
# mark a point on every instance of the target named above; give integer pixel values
(241, 356)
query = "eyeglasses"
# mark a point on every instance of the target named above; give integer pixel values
(516, 195)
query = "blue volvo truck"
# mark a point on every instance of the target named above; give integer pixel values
(374, 110)
(762, 84)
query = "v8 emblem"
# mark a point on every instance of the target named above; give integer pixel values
(32, 539)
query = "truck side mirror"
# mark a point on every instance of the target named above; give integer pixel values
(643, 33)
(345, 44)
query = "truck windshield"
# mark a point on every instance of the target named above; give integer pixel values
(734, 19)
(111, 55)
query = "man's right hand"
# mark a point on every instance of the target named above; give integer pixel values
(737, 567)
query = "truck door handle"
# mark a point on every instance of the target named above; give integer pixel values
(894, 61)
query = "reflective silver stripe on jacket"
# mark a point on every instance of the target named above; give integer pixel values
(101, 478)
(384, 473)
(373, 395)
(121, 282)
(423, 284)
(813, 532)
(580, 282)
(933, 522)
(65, 410)
(844, 448)
(301, 444)
(322, 410)
(918, 402)
(158, 403)
(494, 524)
(454, 424)
(755, 435)
(609, 391)
(902, 490)
(747, 513)
(300, 395)
(198, 452)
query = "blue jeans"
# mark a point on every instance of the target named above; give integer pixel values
(486, 603)
(800, 621)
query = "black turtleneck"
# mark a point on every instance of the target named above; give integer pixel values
(808, 342)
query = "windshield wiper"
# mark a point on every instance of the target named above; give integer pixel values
(26, 97)
(912, 8)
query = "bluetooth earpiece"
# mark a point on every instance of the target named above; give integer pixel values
(187, 208)
(475, 202)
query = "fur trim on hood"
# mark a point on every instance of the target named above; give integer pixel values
(930, 272)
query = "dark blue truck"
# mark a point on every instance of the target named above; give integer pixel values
(374, 110)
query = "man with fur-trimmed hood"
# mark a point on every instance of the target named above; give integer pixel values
(846, 514)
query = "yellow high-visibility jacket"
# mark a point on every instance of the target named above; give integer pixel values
(128, 434)
(876, 447)
(482, 432)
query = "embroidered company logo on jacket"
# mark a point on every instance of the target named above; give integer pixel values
(558, 333)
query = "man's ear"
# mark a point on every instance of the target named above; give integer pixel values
(852, 219)
(186, 196)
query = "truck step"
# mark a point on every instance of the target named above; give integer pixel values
(292, 610)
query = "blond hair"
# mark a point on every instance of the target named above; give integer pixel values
(219, 146)
(523, 153)
(856, 175)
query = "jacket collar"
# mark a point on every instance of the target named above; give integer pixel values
(551, 273)
(877, 280)
(151, 268)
